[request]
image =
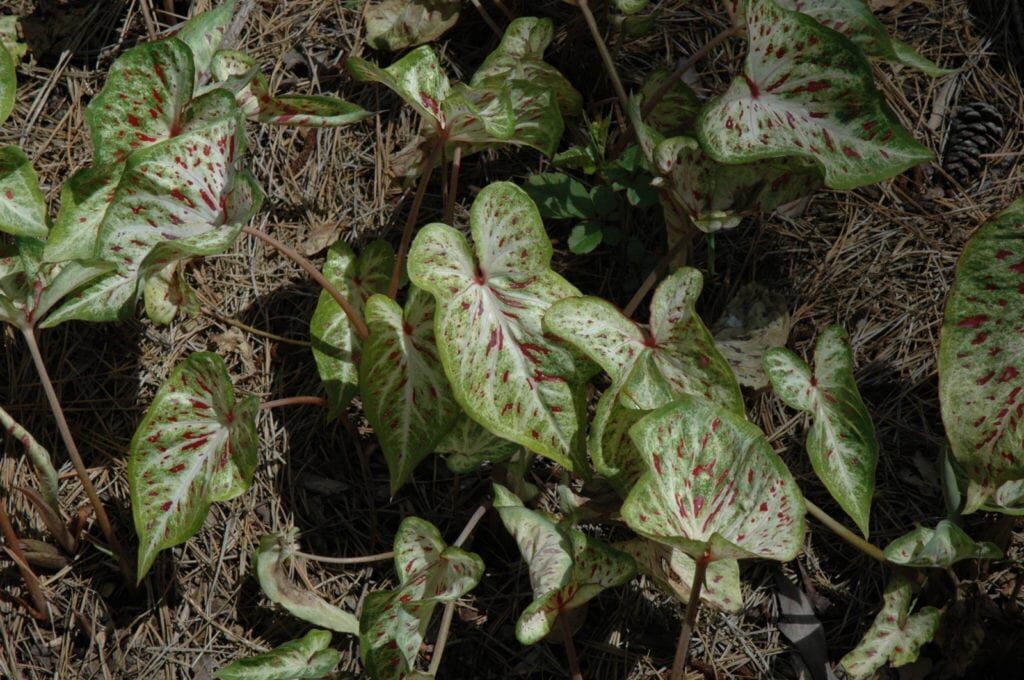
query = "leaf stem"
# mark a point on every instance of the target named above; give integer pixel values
(470, 525)
(379, 557)
(13, 543)
(655, 275)
(353, 316)
(39, 456)
(682, 67)
(410, 222)
(453, 187)
(853, 539)
(692, 607)
(570, 648)
(606, 56)
(487, 18)
(291, 401)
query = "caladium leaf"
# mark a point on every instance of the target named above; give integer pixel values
(272, 563)
(504, 371)
(942, 546)
(567, 567)
(22, 205)
(807, 91)
(468, 445)
(754, 320)
(308, 658)
(714, 488)
(841, 442)
(203, 35)
(672, 570)
(397, 24)
(417, 78)
(405, 393)
(630, 6)
(677, 111)
(336, 344)
(394, 622)
(195, 446)
(896, 636)
(84, 200)
(8, 83)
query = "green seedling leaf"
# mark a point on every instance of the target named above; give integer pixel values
(567, 567)
(714, 487)
(308, 658)
(272, 562)
(942, 546)
(406, 396)
(195, 446)
(397, 24)
(841, 442)
(336, 345)
(754, 320)
(203, 35)
(8, 83)
(585, 237)
(417, 78)
(896, 636)
(22, 205)
(807, 92)
(394, 622)
(980, 381)
(677, 111)
(504, 371)
(468, 445)
(672, 571)
(9, 37)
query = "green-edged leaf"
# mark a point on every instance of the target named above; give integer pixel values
(539, 124)
(406, 396)
(676, 112)
(8, 83)
(9, 37)
(196, 445)
(84, 201)
(942, 546)
(714, 486)
(478, 116)
(896, 636)
(754, 320)
(271, 562)
(397, 24)
(981, 380)
(336, 344)
(204, 33)
(567, 567)
(417, 78)
(504, 371)
(841, 442)
(468, 445)
(308, 658)
(807, 91)
(672, 570)
(63, 280)
(22, 205)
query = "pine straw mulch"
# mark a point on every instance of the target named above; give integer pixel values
(878, 261)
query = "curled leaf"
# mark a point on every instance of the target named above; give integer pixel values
(397, 24)
(203, 35)
(942, 546)
(754, 320)
(672, 570)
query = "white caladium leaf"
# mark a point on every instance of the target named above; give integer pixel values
(981, 381)
(468, 445)
(22, 205)
(673, 571)
(195, 446)
(896, 636)
(754, 320)
(417, 78)
(84, 200)
(397, 24)
(942, 546)
(807, 92)
(308, 658)
(394, 622)
(567, 567)
(714, 488)
(405, 393)
(273, 562)
(8, 83)
(841, 442)
(203, 35)
(336, 345)
(504, 371)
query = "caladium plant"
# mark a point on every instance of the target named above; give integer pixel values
(398, 24)
(196, 445)
(673, 571)
(468, 445)
(942, 546)
(308, 658)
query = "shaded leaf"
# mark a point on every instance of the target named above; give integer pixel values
(468, 445)
(417, 78)
(676, 112)
(754, 320)
(8, 83)
(22, 205)
(398, 24)
(630, 6)
(308, 658)
(672, 570)
(942, 546)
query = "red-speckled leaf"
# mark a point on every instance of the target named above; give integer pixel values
(22, 205)
(397, 24)
(84, 200)
(405, 393)
(672, 570)
(478, 116)
(981, 379)
(896, 636)
(807, 91)
(468, 445)
(942, 547)
(714, 486)
(567, 567)
(308, 658)
(203, 34)
(505, 372)
(841, 442)
(195, 446)
(417, 78)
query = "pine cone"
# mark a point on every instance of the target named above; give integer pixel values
(977, 129)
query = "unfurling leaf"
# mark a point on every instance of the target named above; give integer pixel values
(942, 546)
(468, 445)
(672, 570)
(273, 562)
(841, 442)
(397, 24)
(22, 205)
(505, 372)
(203, 35)
(308, 658)
(567, 567)
(405, 393)
(806, 91)
(195, 446)
(714, 487)
(754, 320)
(896, 636)
(981, 382)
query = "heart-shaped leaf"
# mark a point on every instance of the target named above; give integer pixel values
(308, 658)
(203, 35)
(405, 393)
(672, 570)
(22, 205)
(397, 24)
(896, 636)
(504, 371)
(714, 488)
(468, 445)
(195, 446)
(807, 91)
(336, 344)
(942, 546)
(754, 320)
(841, 442)
(272, 563)
(8, 83)
(394, 622)
(981, 387)
(567, 567)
